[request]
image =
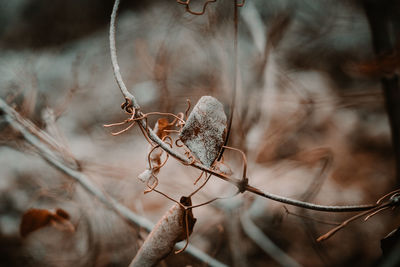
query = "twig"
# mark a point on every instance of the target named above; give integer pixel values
(188, 9)
(308, 205)
(387, 195)
(114, 60)
(237, 182)
(15, 120)
(201, 186)
(343, 224)
(288, 212)
(235, 76)
(244, 175)
(326, 162)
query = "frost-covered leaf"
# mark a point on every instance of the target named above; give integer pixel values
(205, 130)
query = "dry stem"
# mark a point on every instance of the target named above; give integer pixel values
(188, 9)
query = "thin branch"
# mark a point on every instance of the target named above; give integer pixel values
(235, 76)
(343, 224)
(308, 205)
(114, 60)
(387, 195)
(288, 212)
(244, 175)
(16, 121)
(201, 186)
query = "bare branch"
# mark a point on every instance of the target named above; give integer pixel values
(308, 205)
(114, 60)
(346, 222)
(305, 217)
(392, 202)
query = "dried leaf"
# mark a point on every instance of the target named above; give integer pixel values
(205, 130)
(155, 156)
(160, 127)
(35, 219)
(167, 232)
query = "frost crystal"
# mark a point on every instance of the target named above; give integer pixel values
(205, 129)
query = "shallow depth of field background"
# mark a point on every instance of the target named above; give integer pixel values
(301, 94)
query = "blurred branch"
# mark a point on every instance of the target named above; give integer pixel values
(234, 76)
(131, 106)
(17, 122)
(235, 236)
(305, 217)
(258, 237)
(113, 52)
(383, 38)
(23, 126)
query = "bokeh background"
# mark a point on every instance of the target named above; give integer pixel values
(308, 97)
